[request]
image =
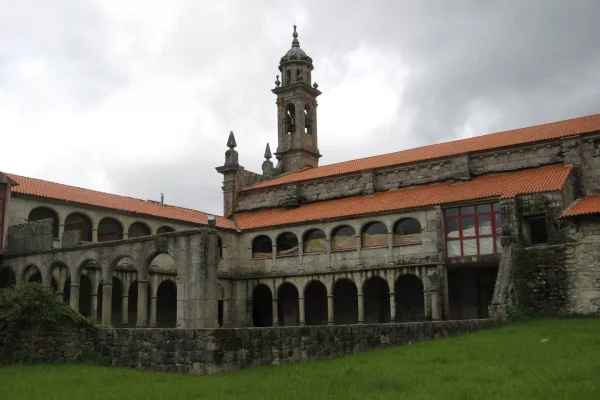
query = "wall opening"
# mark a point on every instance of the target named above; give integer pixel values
(85, 296)
(109, 229)
(410, 301)
(538, 229)
(345, 302)
(164, 229)
(470, 291)
(287, 244)
(138, 229)
(287, 297)
(79, 222)
(7, 277)
(377, 301)
(407, 231)
(166, 304)
(315, 303)
(290, 118)
(343, 238)
(262, 306)
(374, 234)
(314, 241)
(33, 274)
(262, 247)
(40, 213)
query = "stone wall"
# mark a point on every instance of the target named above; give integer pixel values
(203, 351)
(29, 237)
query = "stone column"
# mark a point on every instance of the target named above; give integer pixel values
(74, 302)
(125, 309)
(301, 311)
(107, 303)
(94, 235)
(61, 230)
(125, 235)
(330, 316)
(142, 304)
(275, 313)
(94, 305)
(392, 306)
(361, 308)
(153, 293)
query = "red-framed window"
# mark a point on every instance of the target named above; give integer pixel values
(473, 230)
(3, 188)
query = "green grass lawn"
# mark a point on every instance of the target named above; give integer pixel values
(506, 363)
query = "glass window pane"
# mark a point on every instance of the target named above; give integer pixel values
(468, 226)
(467, 210)
(470, 247)
(451, 212)
(486, 245)
(499, 244)
(485, 224)
(453, 248)
(483, 208)
(496, 206)
(498, 221)
(452, 227)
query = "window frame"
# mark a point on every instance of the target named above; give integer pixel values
(475, 215)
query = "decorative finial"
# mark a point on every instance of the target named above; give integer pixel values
(277, 82)
(231, 141)
(315, 85)
(268, 152)
(295, 42)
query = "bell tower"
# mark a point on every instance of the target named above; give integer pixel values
(297, 147)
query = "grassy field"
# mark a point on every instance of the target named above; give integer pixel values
(545, 359)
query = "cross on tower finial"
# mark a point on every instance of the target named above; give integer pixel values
(295, 42)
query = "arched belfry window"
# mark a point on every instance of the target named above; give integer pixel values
(287, 244)
(374, 234)
(343, 238)
(262, 247)
(290, 118)
(407, 231)
(308, 119)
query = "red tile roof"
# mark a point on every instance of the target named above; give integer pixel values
(57, 191)
(506, 185)
(538, 133)
(588, 205)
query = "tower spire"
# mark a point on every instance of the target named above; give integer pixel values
(295, 42)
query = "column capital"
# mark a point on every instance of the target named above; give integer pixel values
(329, 296)
(74, 285)
(106, 284)
(300, 297)
(392, 293)
(142, 281)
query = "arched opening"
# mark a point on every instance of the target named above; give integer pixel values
(138, 229)
(166, 304)
(133, 304)
(407, 231)
(314, 241)
(7, 277)
(290, 117)
(85, 296)
(262, 306)
(32, 274)
(345, 302)
(287, 298)
(164, 229)
(343, 238)
(376, 301)
(287, 244)
(116, 303)
(315, 303)
(262, 247)
(220, 247)
(40, 213)
(79, 222)
(410, 303)
(307, 119)
(220, 300)
(67, 291)
(374, 234)
(109, 229)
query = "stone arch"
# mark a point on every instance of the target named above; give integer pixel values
(287, 244)
(376, 297)
(32, 274)
(84, 261)
(78, 221)
(343, 237)
(314, 241)
(8, 277)
(166, 304)
(345, 302)
(315, 303)
(287, 304)
(164, 229)
(262, 306)
(262, 247)
(410, 301)
(138, 229)
(120, 262)
(45, 212)
(110, 229)
(374, 234)
(59, 278)
(407, 231)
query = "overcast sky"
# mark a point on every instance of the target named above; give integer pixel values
(137, 97)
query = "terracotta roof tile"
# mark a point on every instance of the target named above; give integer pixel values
(588, 205)
(555, 130)
(57, 191)
(507, 185)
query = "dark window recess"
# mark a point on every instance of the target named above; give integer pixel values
(538, 230)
